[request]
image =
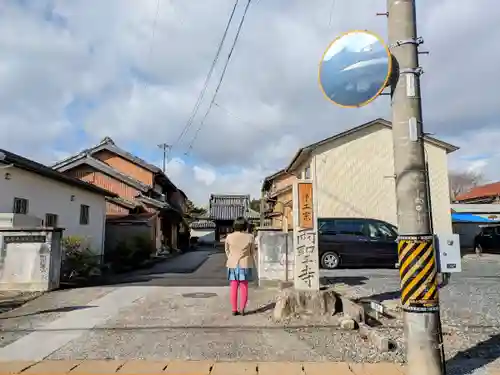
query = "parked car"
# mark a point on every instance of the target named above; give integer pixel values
(488, 239)
(356, 242)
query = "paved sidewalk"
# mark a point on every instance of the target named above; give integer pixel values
(145, 367)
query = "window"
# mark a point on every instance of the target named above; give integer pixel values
(306, 175)
(20, 206)
(352, 227)
(326, 226)
(381, 230)
(84, 214)
(51, 220)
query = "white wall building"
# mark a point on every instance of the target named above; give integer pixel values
(27, 187)
(354, 171)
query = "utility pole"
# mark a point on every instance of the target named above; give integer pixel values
(418, 271)
(166, 152)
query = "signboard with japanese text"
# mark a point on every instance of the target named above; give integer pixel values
(306, 219)
(305, 237)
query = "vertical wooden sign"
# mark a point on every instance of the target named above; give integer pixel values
(305, 238)
(306, 213)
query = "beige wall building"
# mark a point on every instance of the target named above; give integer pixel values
(354, 173)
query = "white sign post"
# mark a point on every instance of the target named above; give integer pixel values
(305, 236)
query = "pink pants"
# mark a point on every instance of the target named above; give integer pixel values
(243, 287)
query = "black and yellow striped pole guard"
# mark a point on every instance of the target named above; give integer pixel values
(418, 272)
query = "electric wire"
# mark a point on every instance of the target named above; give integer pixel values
(235, 41)
(201, 95)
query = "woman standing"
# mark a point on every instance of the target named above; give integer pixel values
(240, 252)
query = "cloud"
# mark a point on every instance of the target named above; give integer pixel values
(72, 72)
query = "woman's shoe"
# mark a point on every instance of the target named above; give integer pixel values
(235, 313)
(242, 312)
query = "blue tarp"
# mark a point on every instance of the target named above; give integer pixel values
(470, 218)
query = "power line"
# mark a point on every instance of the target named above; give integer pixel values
(157, 15)
(235, 41)
(207, 79)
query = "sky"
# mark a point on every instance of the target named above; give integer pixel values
(73, 72)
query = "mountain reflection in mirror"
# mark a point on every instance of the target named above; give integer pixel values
(355, 69)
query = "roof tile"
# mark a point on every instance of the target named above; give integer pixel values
(489, 190)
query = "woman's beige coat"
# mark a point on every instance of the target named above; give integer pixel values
(240, 250)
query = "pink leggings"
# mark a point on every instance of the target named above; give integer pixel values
(243, 286)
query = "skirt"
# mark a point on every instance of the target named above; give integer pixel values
(240, 274)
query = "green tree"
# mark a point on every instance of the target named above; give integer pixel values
(194, 211)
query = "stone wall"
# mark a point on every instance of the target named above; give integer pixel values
(273, 245)
(30, 259)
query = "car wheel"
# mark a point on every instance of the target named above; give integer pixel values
(330, 260)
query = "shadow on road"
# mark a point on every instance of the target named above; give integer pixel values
(468, 360)
(203, 267)
(49, 311)
(262, 309)
(348, 280)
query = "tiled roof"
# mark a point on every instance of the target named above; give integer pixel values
(105, 168)
(229, 207)
(108, 144)
(20, 162)
(227, 212)
(202, 224)
(142, 217)
(228, 199)
(489, 190)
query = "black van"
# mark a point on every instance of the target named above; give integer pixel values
(356, 242)
(488, 239)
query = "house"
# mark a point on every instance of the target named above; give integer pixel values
(468, 218)
(489, 193)
(277, 190)
(354, 173)
(140, 187)
(225, 208)
(30, 188)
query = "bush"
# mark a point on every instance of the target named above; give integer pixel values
(129, 253)
(78, 258)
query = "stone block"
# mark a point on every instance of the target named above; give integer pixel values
(293, 302)
(348, 324)
(377, 338)
(352, 310)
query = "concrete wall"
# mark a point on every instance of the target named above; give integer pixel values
(354, 178)
(272, 247)
(467, 232)
(30, 260)
(204, 235)
(50, 196)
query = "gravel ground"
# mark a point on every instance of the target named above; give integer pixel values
(171, 324)
(470, 309)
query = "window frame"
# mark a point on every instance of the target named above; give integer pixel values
(55, 218)
(84, 214)
(306, 173)
(25, 202)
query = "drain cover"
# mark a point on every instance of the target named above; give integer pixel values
(199, 295)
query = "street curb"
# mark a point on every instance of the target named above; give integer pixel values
(177, 367)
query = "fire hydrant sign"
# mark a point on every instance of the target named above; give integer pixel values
(305, 237)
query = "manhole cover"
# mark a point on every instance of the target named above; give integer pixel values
(199, 295)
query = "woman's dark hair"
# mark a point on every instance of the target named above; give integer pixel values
(240, 224)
